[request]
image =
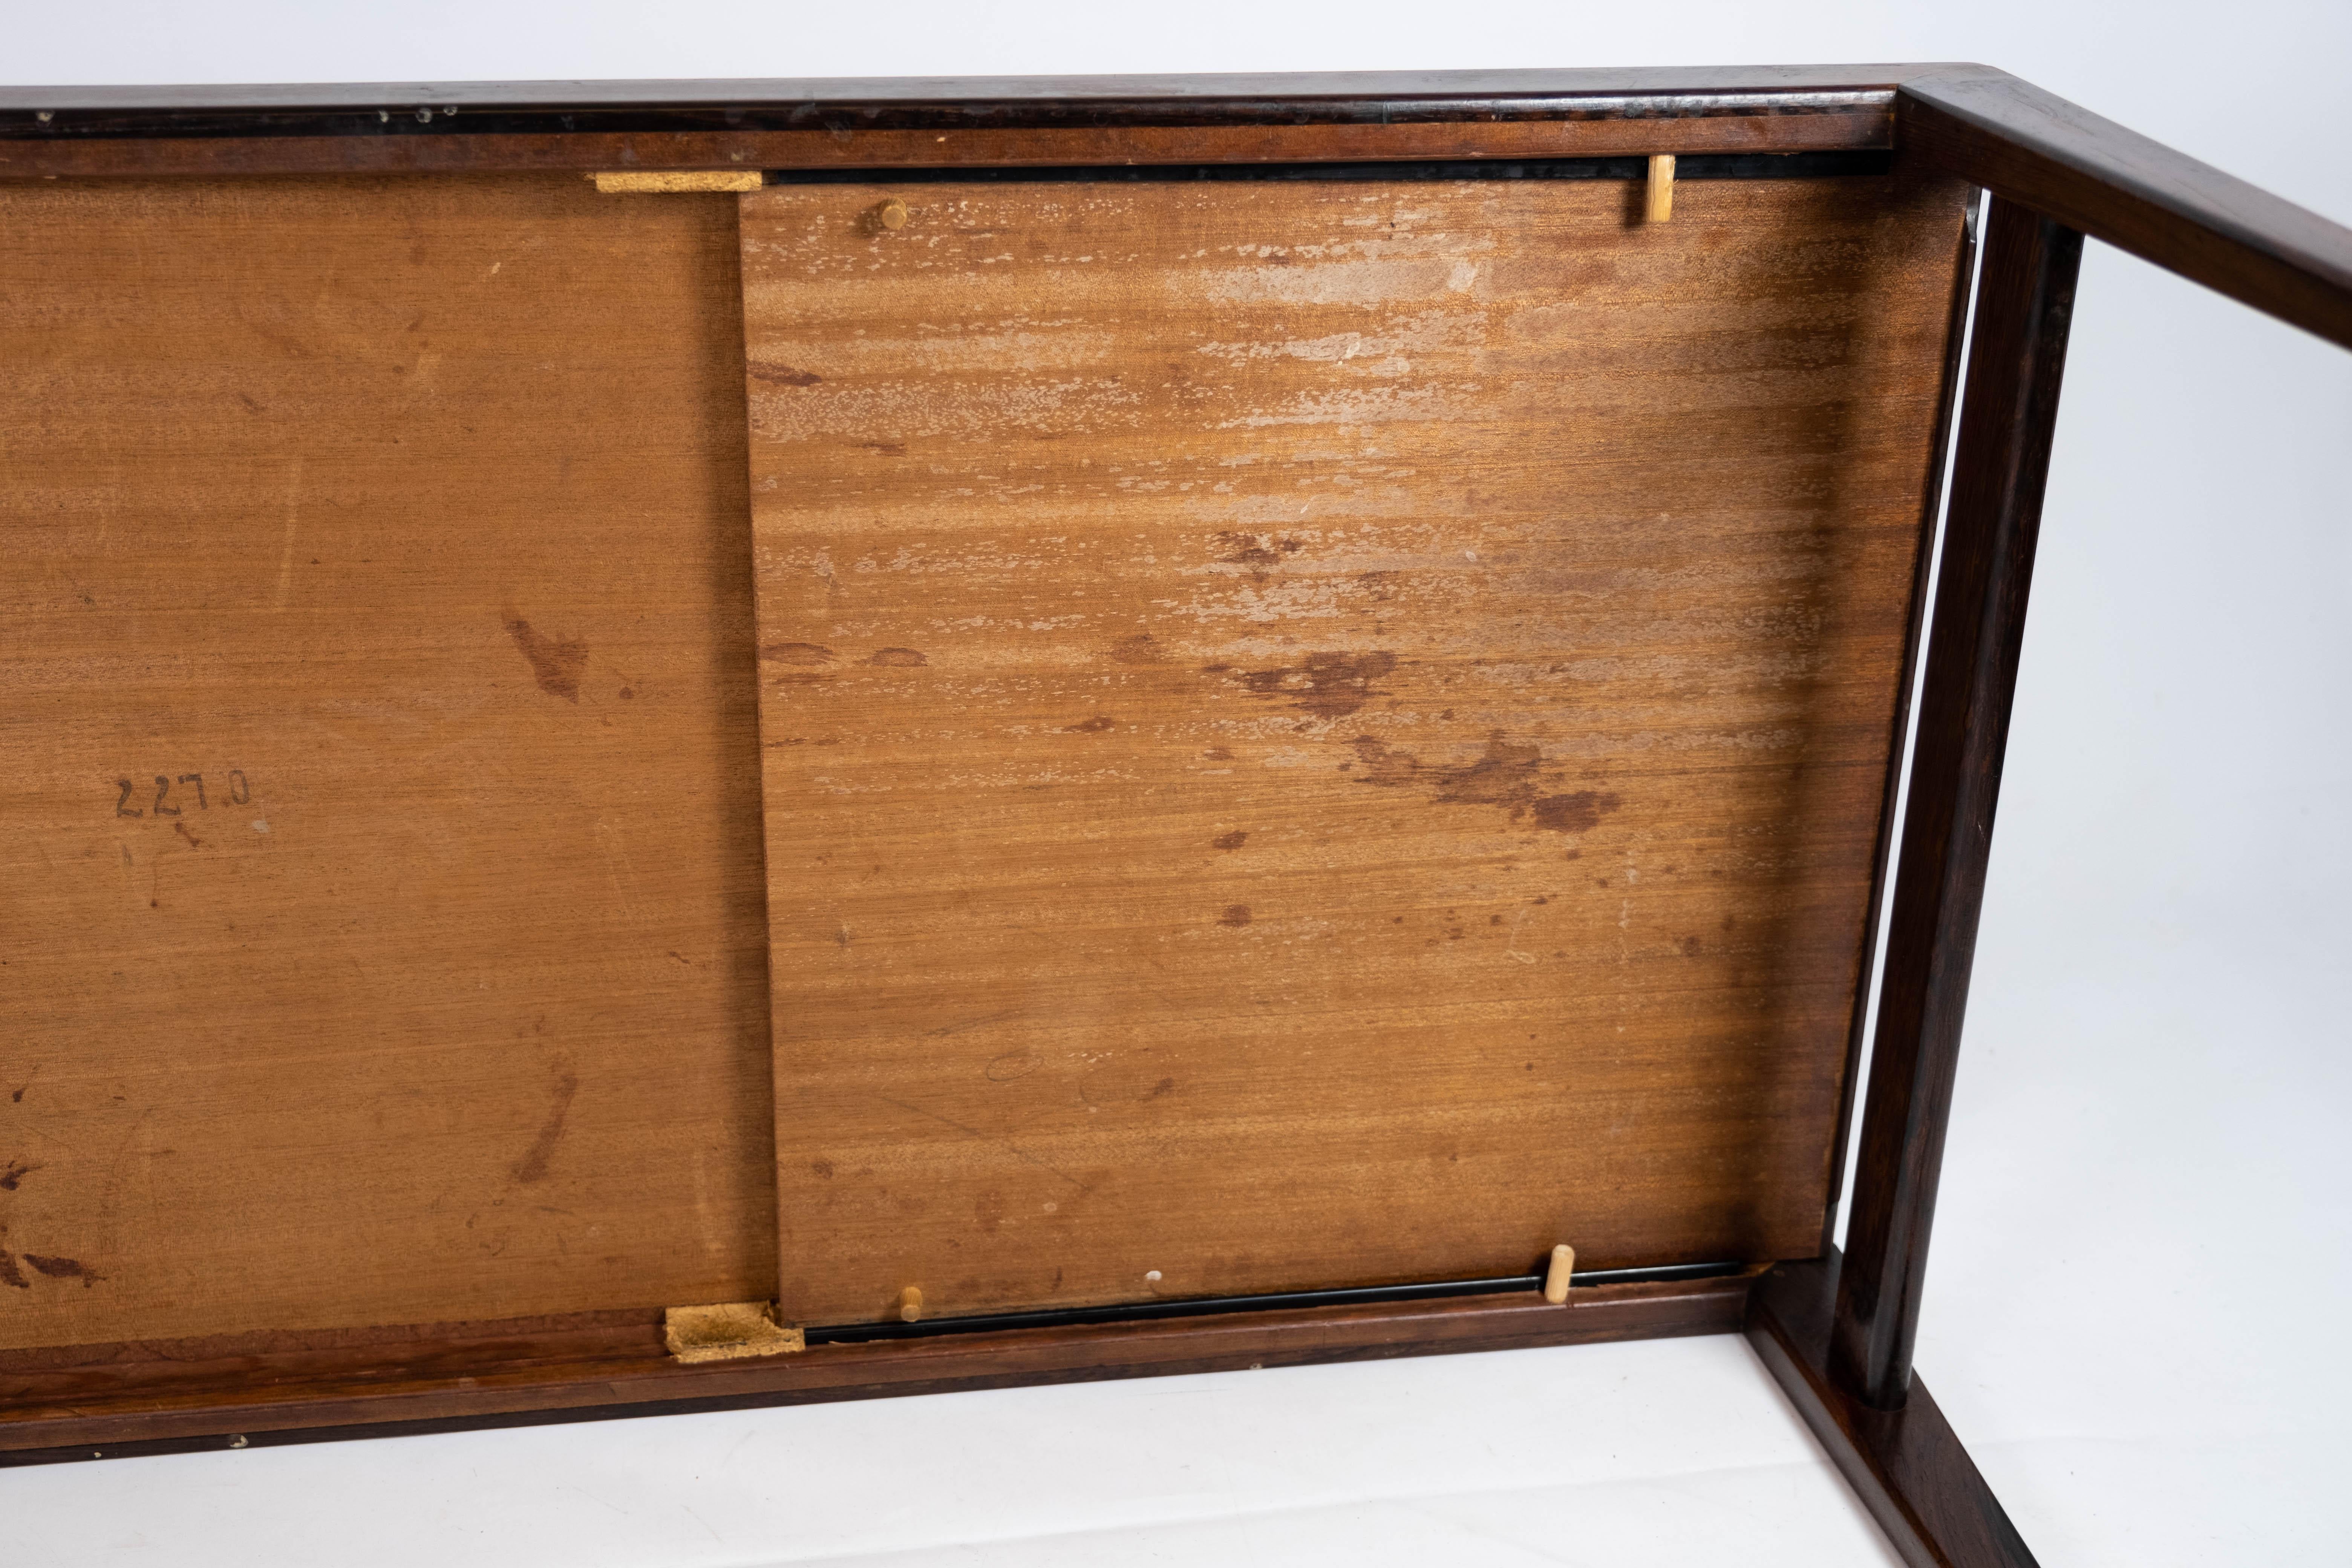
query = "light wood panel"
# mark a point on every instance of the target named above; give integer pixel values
(410, 515)
(1319, 734)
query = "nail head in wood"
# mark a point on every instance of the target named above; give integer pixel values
(1563, 1264)
(890, 215)
(1662, 188)
(910, 1304)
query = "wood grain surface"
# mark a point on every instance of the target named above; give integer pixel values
(1321, 734)
(388, 540)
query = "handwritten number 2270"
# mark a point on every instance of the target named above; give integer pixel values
(239, 794)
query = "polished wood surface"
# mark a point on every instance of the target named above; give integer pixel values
(2092, 174)
(2017, 357)
(1098, 99)
(1320, 734)
(383, 923)
(182, 1397)
(1962, 301)
(945, 122)
(1905, 1466)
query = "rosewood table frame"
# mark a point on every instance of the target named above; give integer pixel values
(1836, 1332)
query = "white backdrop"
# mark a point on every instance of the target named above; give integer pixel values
(2141, 1262)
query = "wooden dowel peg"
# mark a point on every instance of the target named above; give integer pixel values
(1563, 1264)
(1661, 187)
(670, 181)
(910, 1304)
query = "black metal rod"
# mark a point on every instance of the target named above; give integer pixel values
(1691, 167)
(1206, 1306)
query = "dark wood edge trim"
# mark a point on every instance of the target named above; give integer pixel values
(45, 1420)
(2025, 294)
(1983, 124)
(2038, 150)
(1906, 1466)
(1948, 398)
(1244, 95)
(1607, 130)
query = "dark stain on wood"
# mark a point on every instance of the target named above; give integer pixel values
(1093, 726)
(899, 659)
(1258, 550)
(1137, 649)
(784, 375)
(533, 1167)
(556, 664)
(10, 1274)
(1234, 915)
(1507, 774)
(1234, 840)
(1575, 813)
(65, 1268)
(796, 653)
(17, 1170)
(1330, 684)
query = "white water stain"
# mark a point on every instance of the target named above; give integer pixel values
(1367, 405)
(1370, 282)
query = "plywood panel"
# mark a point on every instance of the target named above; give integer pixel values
(1322, 733)
(410, 515)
